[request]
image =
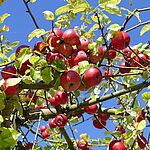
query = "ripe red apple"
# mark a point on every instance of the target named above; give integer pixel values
(54, 102)
(111, 54)
(70, 80)
(65, 49)
(103, 117)
(10, 90)
(82, 143)
(92, 76)
(61, 120)
(120, 40)
(99, 124)
(45, 134)
(141, 141)
(19, 48)
(124, 70)
(83, 87)
(41, 47)
(107, 74)
(50, 57)
(77, 56)
(77, 114)
(83, 44)
(117, 145)
(127, 53)
(43, 128)
(29, 146)
(92, 109)
(71, 37)
(11, 72)
(141, 116)
(120, 128)
(54, 38)
(52, 123)
(96, 58)
(61, 96)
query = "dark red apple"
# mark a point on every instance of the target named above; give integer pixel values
(92, 109)
(70, 80)
(111, 54)
(120, 128)
(11, 72)
(71, 37)
(77, 56)
(30, 96)
(103, 117)
(124, 70)
(52, 123)
(120, 40)
(141, 141)
(41, 47)
(93, 76)
(54, 38)
(29, 146)
(65, 49)
(43, 128)
(83, 44)
(61, 120)
(54, 102)
(107, 74)
(99, 124)
(127, 53)
(77, 114)
(117, 145)
(82, 144)
(45, 134)
(19, 48)
(61, 96)
(83, 87)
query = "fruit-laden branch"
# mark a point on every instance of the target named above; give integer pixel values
(76, 108)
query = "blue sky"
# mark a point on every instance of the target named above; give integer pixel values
(21, 25)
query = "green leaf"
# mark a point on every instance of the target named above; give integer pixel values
(83, 66)
(37, 33)
(146, 96)
(14, 44)
(144, 29)
(18, 107)
(62, 9)
(12, 81)
(113, 9)
(141, 125)
(32, 1)
(114, 27)
(148, 104)
(48, 15)
(3, 57)
(74, 119)
(80, 7)
(105, 2)
(2, 103)
(47, 75)
(3, 17)
(34, 59)
(1, 119)
(59, 65)
(85, 136)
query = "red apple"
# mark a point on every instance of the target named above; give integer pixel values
(71, 37)
(82, 143)
(83, 87)
(141, 141)
(45, 134)
(117, 145)
(54, 38)
(41, 47)
(77, 114)
(77, 56)
(65, 49)
(61, 96)
(127, 53)
(54, 102)
(96, 58)
(43, 128)
(92, 76)
(30, 96)
(120, 40)
(11, 72)
(103, 117)
(99, 124)
(83, 44)
(70, 80)
(92, 109)
(107, 74)
(52, 123)
(120, 128)
(61, 120)
(19, 48)
(124, 70)
(111, 54)
(29, 146)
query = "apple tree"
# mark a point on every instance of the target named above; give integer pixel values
(71, 74)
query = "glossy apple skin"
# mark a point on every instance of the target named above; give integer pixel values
(127, 54)
(54, 102)
(99, 125)
(43, 128)
(52, 123)
(103, 117)
(61, 120)
(107, 73)
(111, 54)
(9, 69)
(124, 70)
(82, 145)
(93, 76)
(10, 90)
(77, 56)
(45, 134)
(71, 37)
(65, 49)
(96, 58)
(83, 44)
(19, 48)
(141, 141)
(55, 39)
(61, 96)
(120, 40)
(70, 80)
(40, 46)
(116, 145)
(92, 109)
